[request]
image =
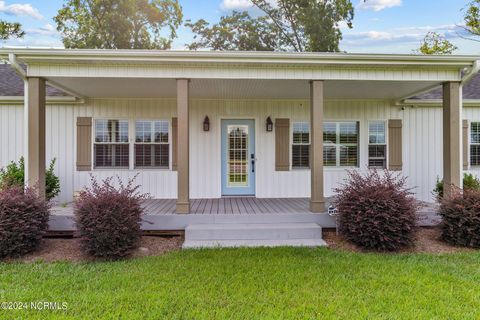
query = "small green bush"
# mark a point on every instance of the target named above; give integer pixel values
(470, 182)
(14, 175)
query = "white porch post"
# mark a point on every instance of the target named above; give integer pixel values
(183, 196)
(317, 200)
(35, 134)
(452, 136)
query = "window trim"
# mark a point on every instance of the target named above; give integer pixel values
(293, 122)
(471, 144)
(385, 127)
(134, 143)
(359, 139)
(94, 166)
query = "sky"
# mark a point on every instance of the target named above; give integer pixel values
(379, 26)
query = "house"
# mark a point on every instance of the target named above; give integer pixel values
(197, 126)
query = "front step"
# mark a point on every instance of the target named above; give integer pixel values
(253, 235)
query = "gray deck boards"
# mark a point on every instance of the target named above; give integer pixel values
(233, 205)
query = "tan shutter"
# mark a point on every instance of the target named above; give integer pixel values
(174, 143)
(395, 144)
(84, 144)
(465, 144)
(282, 144)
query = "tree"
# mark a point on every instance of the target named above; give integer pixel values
(472, 19)
(434, 43)
(238, 31)
(289, 25)
(10, 30)
(119, 24)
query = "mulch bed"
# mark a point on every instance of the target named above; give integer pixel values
(68, 249)
(427, 241)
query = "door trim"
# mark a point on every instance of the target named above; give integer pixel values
(223, 148)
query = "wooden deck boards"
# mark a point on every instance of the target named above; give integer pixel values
(232, 205)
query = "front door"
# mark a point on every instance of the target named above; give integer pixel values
(238, 157)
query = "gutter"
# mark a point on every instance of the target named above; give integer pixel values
(469, 74)
(11, 100)
(12, 59)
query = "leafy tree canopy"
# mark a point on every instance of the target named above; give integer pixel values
(434, 43)
(119, 24)
(472, 18)
(287, 25)
(10, 30)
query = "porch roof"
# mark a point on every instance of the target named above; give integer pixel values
(243, 75)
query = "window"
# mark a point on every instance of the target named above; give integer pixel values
(111, 148)
(377, 148)
(340, 144)
(475, 143)
(301, 145)
(151, 144)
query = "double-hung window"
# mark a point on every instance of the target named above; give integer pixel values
(111, 147)
(340, 144)
(301, 145)
(152, 147)
(377, 147)
(475, 143)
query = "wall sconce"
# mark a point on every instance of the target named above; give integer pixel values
(269, 125)
(206, 124)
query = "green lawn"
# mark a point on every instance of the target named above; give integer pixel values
(253, 284)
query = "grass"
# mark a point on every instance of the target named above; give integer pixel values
(252, 284)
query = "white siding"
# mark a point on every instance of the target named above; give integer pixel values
(214, 71)
(422, 142)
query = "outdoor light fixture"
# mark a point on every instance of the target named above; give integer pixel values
(269, 125)
(206, 124)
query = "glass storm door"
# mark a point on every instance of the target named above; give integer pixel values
(238, 157)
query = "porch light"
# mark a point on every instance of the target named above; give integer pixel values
(206, 124)
(269, 124)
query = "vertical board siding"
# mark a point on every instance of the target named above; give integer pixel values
(422, 143)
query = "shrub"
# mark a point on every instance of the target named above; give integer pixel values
(108, 218)
(14, 174)
(470, 182)
(376, 211)
(23, 220)
(460, 214)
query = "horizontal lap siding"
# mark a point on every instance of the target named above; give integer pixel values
(422, 144)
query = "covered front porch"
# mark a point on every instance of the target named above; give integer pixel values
(225, 85)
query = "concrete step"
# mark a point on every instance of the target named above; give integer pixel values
(250, 235)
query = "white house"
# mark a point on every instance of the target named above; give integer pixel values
(211, 125)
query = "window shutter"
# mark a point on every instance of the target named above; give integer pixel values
(395, 144)
(84, 144)
(174, 143)
(282, 144)
(465, 144)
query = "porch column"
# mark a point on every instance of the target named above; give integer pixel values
(183, 197)
(35, 134)
(317, 200)
(452, 136)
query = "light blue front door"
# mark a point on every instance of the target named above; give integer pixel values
(238, 157)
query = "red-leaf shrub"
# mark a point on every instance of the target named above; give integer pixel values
(460, 214)
(376, 211)
(108, 218)
(23, 220)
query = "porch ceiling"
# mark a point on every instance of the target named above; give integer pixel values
(238, 88)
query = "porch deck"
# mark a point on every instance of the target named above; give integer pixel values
(160, 213)
(231, 205)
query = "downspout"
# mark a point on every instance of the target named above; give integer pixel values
(12, 59)
(469, 74)
(16, 66)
